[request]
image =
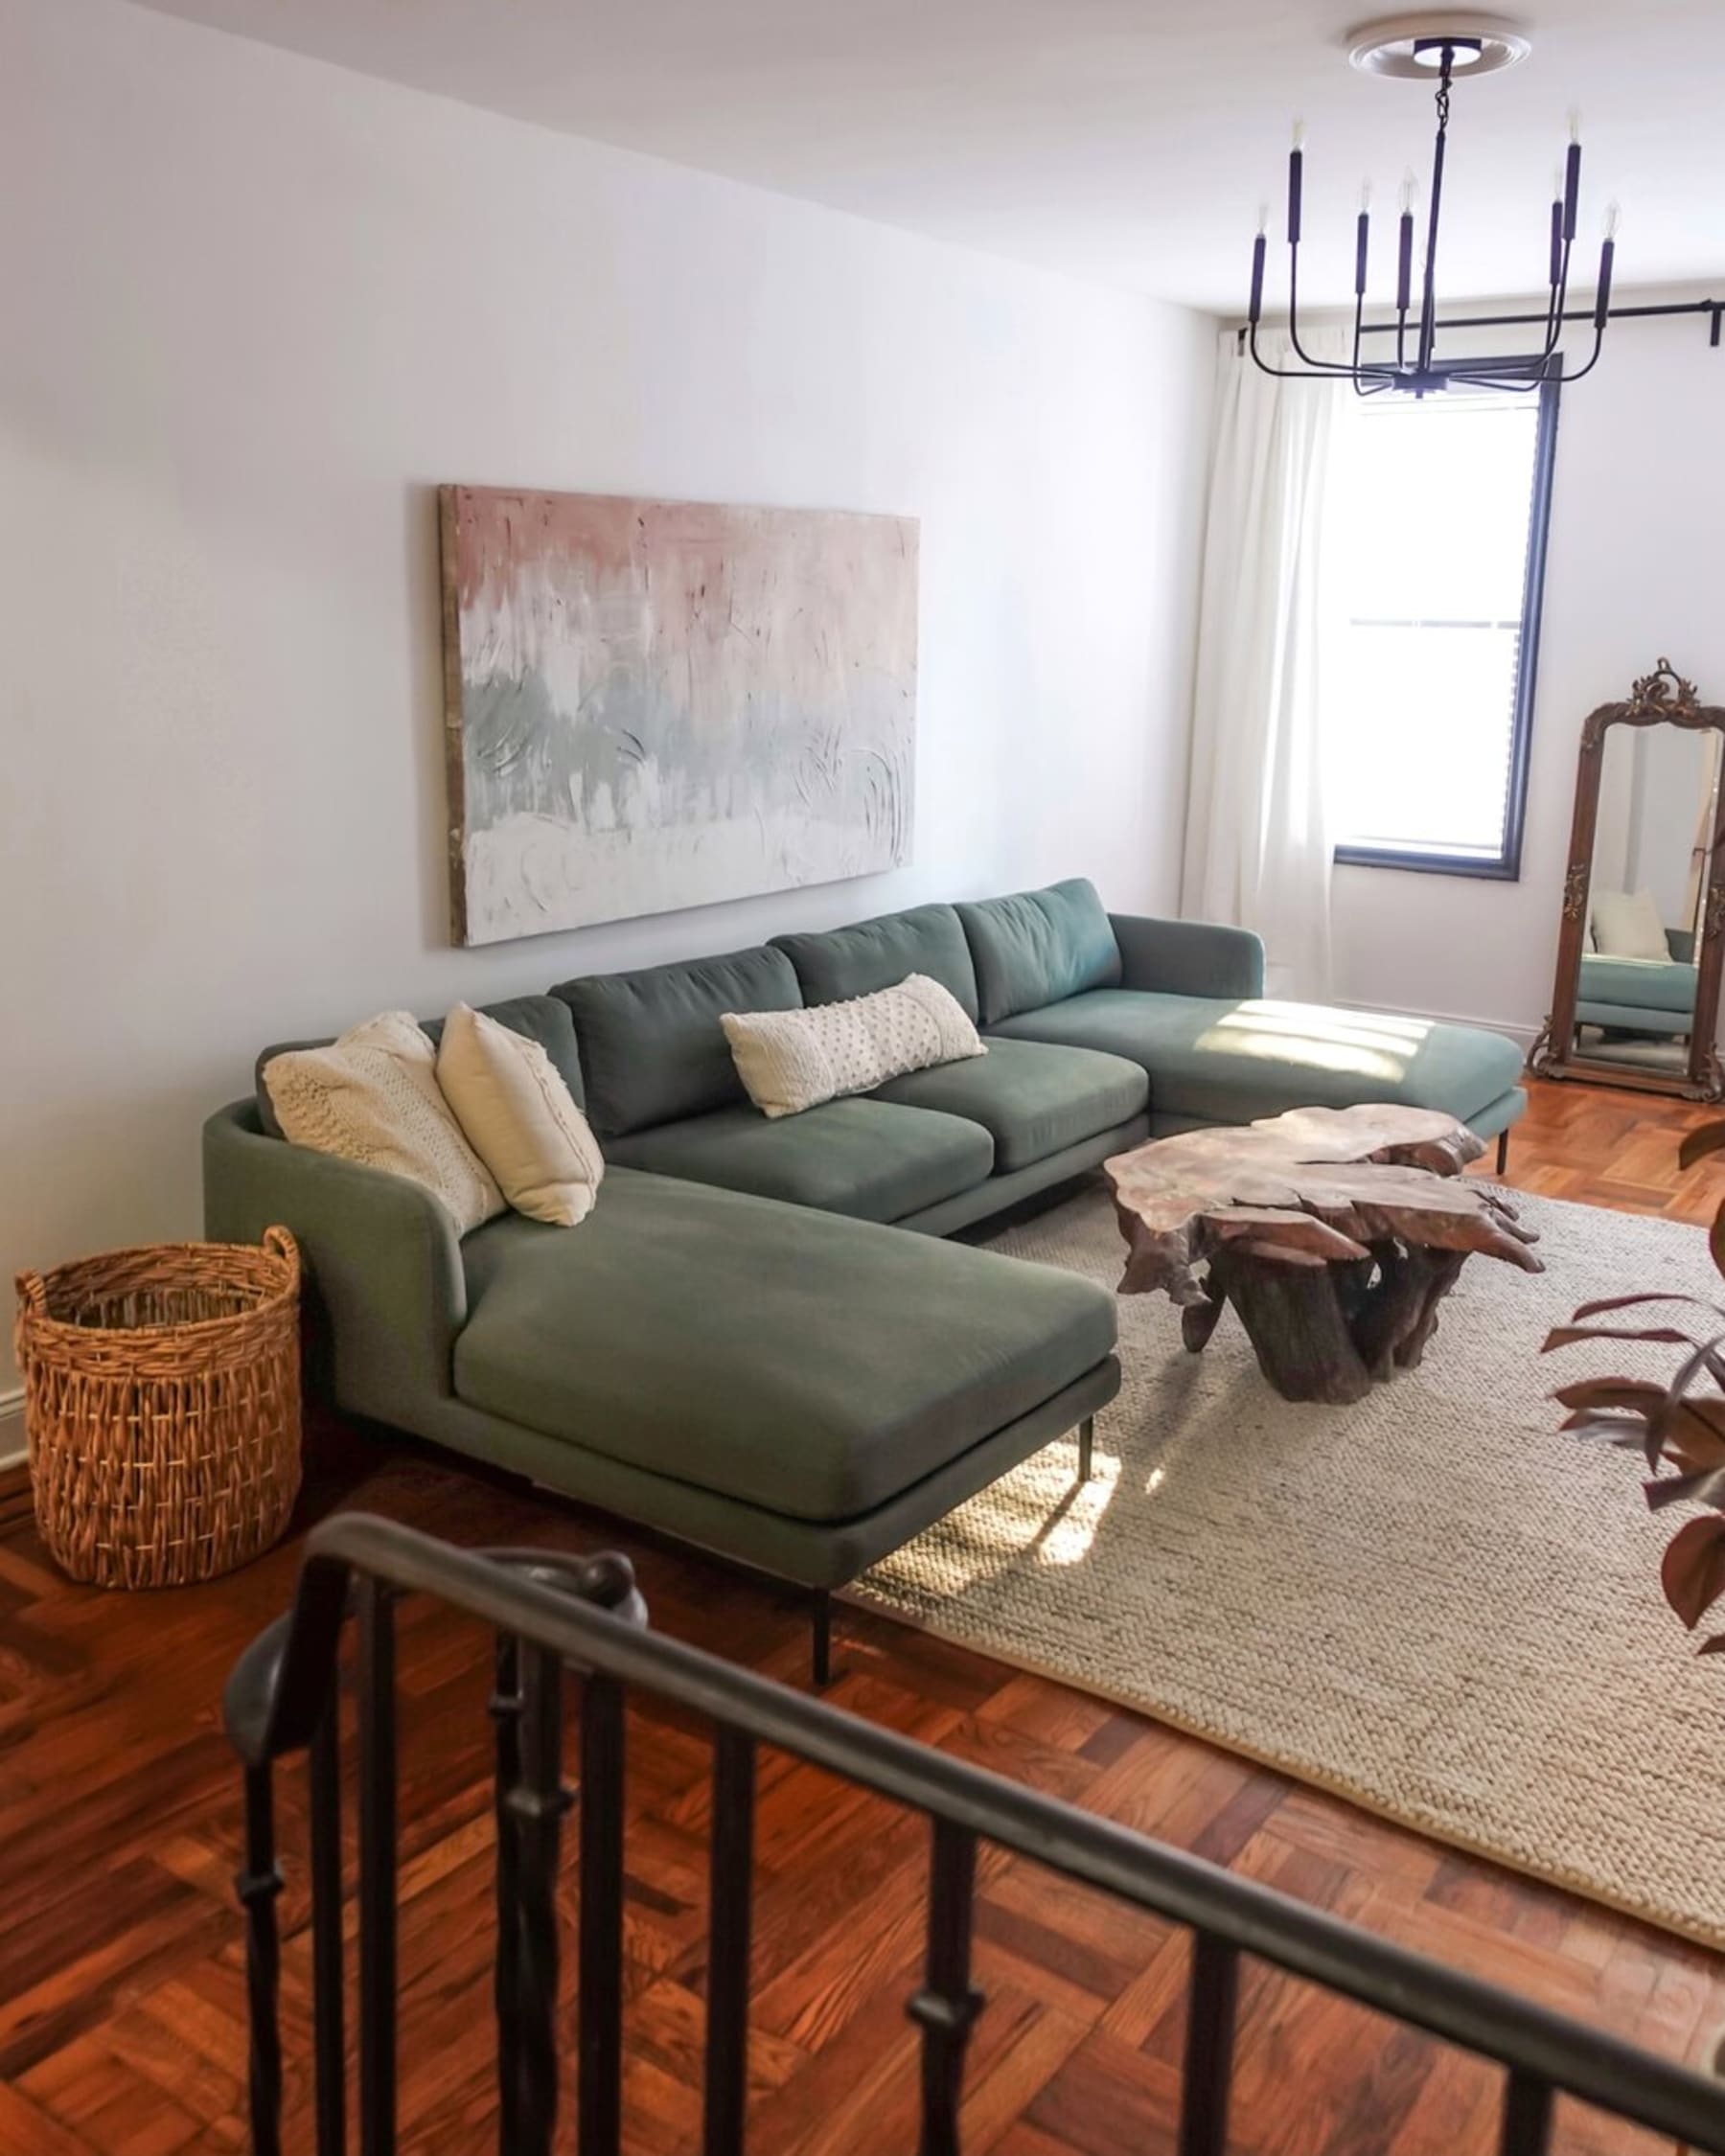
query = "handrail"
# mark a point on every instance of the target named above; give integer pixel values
(277, 1697)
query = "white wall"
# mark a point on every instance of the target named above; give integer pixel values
(1635, 568)
(256, 308)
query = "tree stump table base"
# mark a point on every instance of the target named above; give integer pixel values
(1335, 1233)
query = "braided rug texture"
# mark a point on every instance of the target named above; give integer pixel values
(1433, 1602)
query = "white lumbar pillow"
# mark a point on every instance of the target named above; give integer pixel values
(521, 1118)
(373, 1097)
(1626, 925)
(792, 1060)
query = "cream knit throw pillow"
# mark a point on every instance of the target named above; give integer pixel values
(792, 1060)
(373, 1097)
(521, 1118)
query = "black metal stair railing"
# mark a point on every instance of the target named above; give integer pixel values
(558, 1617)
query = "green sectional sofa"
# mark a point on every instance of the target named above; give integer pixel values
(758, 1342)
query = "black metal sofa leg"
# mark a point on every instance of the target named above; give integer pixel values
(821, 1609)
(1503, 1151)
(821, 1641)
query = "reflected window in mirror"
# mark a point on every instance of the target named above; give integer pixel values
(1435, 537)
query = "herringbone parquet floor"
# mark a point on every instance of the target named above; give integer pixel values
(120, 1983)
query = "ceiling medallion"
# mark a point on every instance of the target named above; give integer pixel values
(1446, 48)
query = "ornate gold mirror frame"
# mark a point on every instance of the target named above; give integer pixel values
(1660, 698)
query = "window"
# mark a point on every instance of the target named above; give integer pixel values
(1437, 546)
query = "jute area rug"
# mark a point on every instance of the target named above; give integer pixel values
(1433, 1602)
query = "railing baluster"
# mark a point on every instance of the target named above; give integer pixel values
(328, 2031)
(258, 1886)
(1526, 2116)
(540, 1802)
(730, 1907)
(376, 1871)
(947, 2004)
(1211, 1997)
(599, 2082)
(506, 1973)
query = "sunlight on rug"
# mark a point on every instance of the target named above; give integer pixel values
(1433, 1602)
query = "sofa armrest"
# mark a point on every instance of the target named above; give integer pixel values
(1189, 958)
(381, 1258)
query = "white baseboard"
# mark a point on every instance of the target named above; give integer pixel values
(1524, 1036)
(11, 1428)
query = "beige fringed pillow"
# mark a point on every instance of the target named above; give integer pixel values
(520, 1117)
(792, 1060)
(373, 1097)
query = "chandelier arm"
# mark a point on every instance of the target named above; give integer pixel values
(1318, 366)
(1313, 373)
(1555, 321)
(1593, 363)
(1555, 305)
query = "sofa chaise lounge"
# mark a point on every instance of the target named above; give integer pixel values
(743, 1346)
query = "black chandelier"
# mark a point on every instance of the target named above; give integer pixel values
(1399, 48)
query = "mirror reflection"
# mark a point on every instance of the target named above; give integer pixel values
(1637, 976)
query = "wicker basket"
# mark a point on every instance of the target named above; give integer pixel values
(162, 1404)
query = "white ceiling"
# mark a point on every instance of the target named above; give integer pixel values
(1126, 139)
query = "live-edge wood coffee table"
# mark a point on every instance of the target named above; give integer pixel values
(1335, 1233)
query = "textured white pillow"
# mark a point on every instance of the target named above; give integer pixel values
(521, 1118)
(373, 1097)
(792, 1060)
(1626, 925)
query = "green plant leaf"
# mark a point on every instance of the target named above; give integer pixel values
(1693, 1572)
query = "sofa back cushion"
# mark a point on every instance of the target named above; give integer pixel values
(652, 1047)
(1039, 947)
(540, 1018)
(861, 959)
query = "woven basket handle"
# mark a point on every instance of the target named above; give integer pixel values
(33, 1295)
(279, 1243)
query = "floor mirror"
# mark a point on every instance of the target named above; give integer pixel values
(1636, 999)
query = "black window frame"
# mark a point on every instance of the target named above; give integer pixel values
(1505, 866)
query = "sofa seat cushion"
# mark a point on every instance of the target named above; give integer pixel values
(865, 1158)
(1032, 1099)
(811, 1365)
(1229, 1062)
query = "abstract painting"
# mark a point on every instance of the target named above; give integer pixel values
(655, 704)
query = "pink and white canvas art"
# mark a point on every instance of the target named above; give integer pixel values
(655, 704)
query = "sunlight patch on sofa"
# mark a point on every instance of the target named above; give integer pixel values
(1372, 1044)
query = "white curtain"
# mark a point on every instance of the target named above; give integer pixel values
(1257, 838)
